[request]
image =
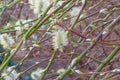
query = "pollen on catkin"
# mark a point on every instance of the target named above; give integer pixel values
(59, 40)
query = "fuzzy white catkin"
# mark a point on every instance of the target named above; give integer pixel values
(83, 1)
(74, 11)
(60, 71)
(35, 75)
(39, 5)
(103, 11)
(59, 39)
(10, 74)
(6, 41)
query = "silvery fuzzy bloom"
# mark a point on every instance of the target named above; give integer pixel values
(104, 11)
(60, 71)
(10, 74)
(59, 39)
(117, 70)
(35, 5)
(88, 40)
(105, 31)
(6, 40)
(59, 3)
(83, 1)
(74, 12)
(35, 75)
(39, 5)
